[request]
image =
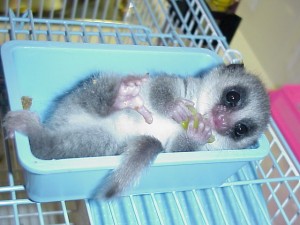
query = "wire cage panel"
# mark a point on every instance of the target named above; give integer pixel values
(155, 26)
(151, 23)
(208, 206)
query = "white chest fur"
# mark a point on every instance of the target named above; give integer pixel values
(124, 124)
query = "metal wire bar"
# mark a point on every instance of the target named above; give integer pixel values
(84, 10)
(101, 37)
(153, 19)
(170, 25)
(63, 9)
(157, 209)
(105, 9)
(136, 214)
(284, 147)
(89, 211)
(65, 212)
(280, 208)
(259, 181)
(112, 212)
(200, 205)
(96, 9)
(254, 193)
(74, 8)
(286, 183)
(10, 177)
(40, 213)
(220, 206)
(212, 21)
(179, 208)
(14, 188)
(196, 19)
(240, 204)
(181, 18)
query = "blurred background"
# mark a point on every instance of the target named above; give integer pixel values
(269, 38)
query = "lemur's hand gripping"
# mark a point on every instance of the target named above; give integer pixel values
(193, 122)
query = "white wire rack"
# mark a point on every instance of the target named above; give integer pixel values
(265, 192)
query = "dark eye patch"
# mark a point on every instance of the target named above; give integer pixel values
(243, 128)
(235, 97)
(240, 130)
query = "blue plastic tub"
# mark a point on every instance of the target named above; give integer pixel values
(42, 70)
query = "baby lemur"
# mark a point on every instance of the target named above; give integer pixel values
(140, 117)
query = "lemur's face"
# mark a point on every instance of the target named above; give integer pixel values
(236, 104)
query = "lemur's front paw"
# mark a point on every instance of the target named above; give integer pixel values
(21, 121)
(180, 111)
(199, 130)
(129, 96)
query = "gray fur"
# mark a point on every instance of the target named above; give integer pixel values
(139, 153)
(84, 122)
(163, 91)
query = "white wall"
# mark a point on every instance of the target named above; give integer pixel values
(271, 28)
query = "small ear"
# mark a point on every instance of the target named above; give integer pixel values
(235, 66)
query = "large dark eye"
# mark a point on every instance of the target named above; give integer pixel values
(240, 130)
(232, 98)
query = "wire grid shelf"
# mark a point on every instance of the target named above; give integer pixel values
(144, 23)
(157, 22)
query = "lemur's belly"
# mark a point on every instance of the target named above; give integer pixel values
(128, 124)
(124, 124)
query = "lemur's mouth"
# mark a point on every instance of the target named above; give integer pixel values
(221, 119)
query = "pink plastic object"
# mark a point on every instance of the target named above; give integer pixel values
(285, 108)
